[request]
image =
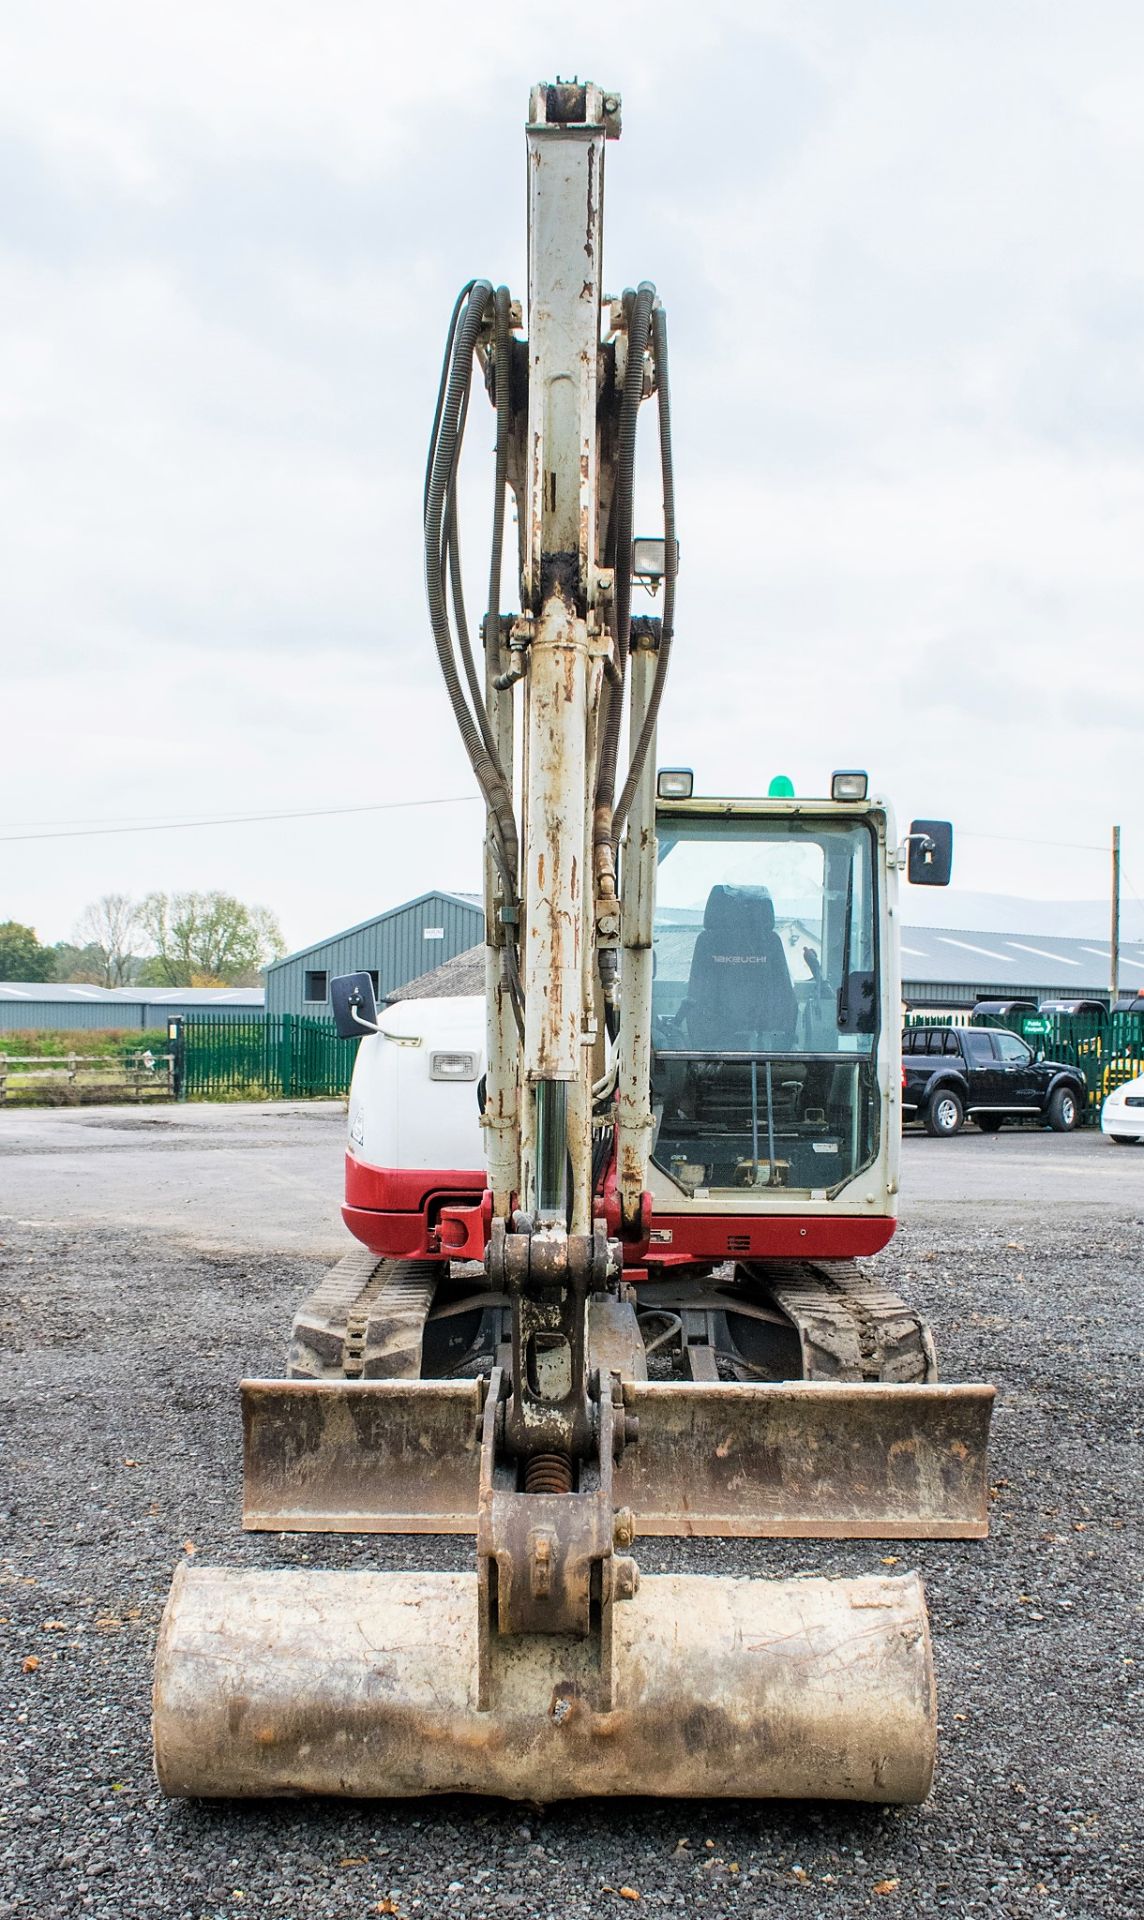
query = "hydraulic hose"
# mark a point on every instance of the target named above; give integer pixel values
(502, 361)
(502, 364)
(440, 545)
(603, 834)
(639, 325)
(670, 569)
(446, 365)
(451, 565)
(624, 504)
(444, 584)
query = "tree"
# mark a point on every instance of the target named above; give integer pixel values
(21, 955)
(109, 926)
(86, 965)
(207, 940)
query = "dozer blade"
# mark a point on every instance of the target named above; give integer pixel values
(816, 1460)
(810, 1460)
(364, 1684)
(379, 1456)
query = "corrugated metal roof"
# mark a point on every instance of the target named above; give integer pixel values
(395, 946)
(463, 974)
(77, 992)
(961, 956)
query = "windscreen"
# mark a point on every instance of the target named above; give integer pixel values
(765, 1006)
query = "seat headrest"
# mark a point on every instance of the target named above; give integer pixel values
(744, 911)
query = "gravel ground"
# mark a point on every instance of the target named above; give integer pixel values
(122, 1452)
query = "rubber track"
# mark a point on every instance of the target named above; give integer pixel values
(391, 1340)
(849, 1327)
(364, 1320)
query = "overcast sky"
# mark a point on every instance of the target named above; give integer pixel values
(902, 251)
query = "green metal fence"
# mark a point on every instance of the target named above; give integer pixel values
(290, 1058)
(260, 1058)
(1107, 1048)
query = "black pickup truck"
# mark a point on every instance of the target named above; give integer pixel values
(988, 1074)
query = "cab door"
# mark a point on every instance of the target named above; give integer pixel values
(984, 1070)
(1017, 1072)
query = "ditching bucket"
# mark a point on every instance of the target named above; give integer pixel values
(364, 1684)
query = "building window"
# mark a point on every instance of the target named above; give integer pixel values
(375, 981)
(316, 985)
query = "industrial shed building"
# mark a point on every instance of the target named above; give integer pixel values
(394, 947)
(951, 967)
(30, 1006)
(943, 969)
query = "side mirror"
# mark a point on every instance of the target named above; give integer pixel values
(930, 858)
(355, 1009)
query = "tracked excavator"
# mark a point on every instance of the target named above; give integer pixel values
(610, 1203)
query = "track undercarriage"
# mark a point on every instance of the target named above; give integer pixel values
(376, 1319)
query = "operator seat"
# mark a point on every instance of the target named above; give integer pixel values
(739, 994)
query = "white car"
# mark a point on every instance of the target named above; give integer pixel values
(1122, 1115)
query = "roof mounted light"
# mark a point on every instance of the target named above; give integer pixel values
(649, 560)
(850, 783)
(674, 783)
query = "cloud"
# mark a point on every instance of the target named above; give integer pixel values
(902, 256)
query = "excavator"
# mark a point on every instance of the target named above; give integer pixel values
(610, 1203)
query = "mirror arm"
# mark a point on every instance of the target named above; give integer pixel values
(924, 840)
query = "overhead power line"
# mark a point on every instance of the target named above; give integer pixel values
(242, 819)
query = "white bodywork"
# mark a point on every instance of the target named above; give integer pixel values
(1120, 1120)
(400, 1114)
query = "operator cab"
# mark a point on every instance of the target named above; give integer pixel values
(766, 1003)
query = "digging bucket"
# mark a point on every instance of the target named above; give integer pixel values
(364, 1685)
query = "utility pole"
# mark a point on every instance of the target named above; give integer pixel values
(1114, 942)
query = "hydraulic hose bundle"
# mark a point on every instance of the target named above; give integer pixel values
(443, 566)
(481, 321)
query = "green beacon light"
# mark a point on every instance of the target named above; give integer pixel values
(781, 787)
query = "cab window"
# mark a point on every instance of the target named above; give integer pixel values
(765, 1002)
(978, 1047)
